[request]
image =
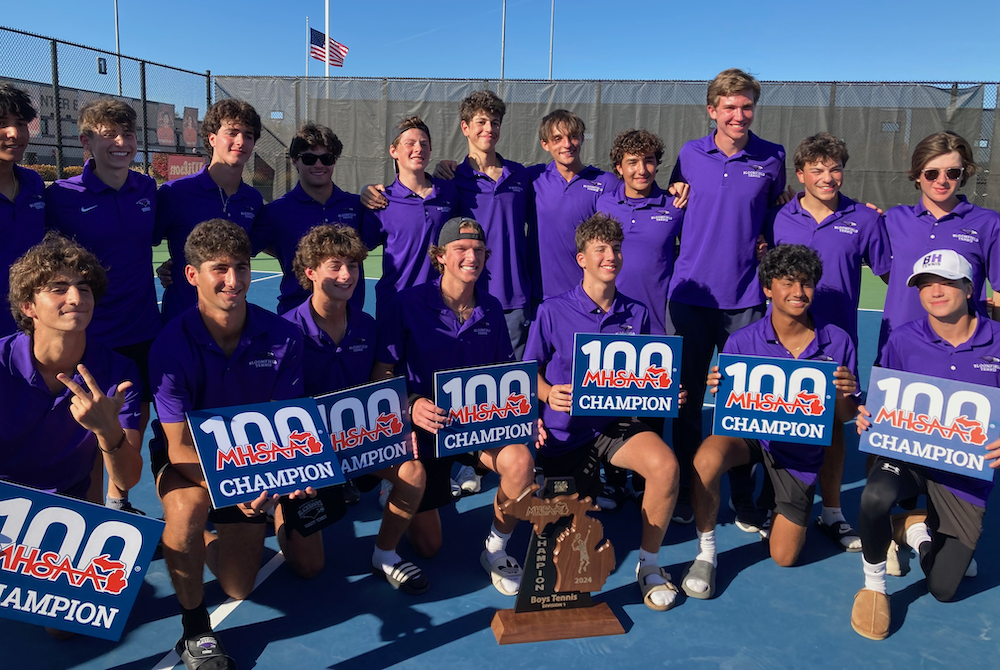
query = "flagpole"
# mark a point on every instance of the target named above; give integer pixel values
(327, 40)
(503, 34)
(552, 32)
(309, 46)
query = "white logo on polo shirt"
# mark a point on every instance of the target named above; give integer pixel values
(248, 214)
(516, 188)
(87, 209)
(989, 364)
(596, 188)
(482, 330)
(970, 235)
(755, 171)
(444, 209)
(37, 205)
(359, 347)
(264, 359)
(662, 216)
(848, 227)
(144, 204)
(346, 216)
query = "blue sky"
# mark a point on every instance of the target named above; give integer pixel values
(873, 40)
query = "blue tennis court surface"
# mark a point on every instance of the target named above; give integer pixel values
(763, 617)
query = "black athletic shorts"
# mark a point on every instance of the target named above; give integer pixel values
(139, 354)
(793, 498)
(584, 463)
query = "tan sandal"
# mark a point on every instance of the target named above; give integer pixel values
(649, 589)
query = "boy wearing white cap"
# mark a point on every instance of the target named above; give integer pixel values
(952, 342)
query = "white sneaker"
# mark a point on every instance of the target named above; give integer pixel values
(383, 494)
(456, 490)
(897, 560)
(468, 480)
(972, 570)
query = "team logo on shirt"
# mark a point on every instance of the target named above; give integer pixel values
(755, 171)
(444, 209)
(347, 216)
(938, 423)
(249, 214)
(970, 235)
(516, 187)
(144, 204)
(264, 359)
(593, 186)
(359, 347)
(989, 364)
(663, 216)
(38, 203)
(481, 330)
(847, 227)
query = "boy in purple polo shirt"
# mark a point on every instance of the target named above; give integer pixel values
(845, 234)
(64, 395)
(453, 323)
(339, 353)
(650, 222)
(788, 275)
(941, 164)
(22, 203)
(416, 205)
(315, 200)
(578, 445)
(218, 353)
(734, 176)
(951, 341)
(228, 131)
(110, 210)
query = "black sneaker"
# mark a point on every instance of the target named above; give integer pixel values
(204, 652)
(683, 511)
(352, 496)
(749, 518)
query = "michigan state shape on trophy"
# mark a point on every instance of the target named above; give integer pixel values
(937, 423)
(369, 425)
(632, 375)
(780, 399)
(70, 564)
(278, 447)
(487, 406)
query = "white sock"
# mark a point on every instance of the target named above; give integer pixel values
(916, 535)
(116, 503)
(832, 515)
(706, 552)
(649, 558)
(496, 542)
(875, 576)
(385, 559)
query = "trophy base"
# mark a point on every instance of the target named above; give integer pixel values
(511, 627)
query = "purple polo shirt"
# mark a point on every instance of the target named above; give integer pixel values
(405, 229)
(550, 342)
(180, 206)
(22, 225)
(561, 206)
(117, 226)
(852, 234)
(189, 371)
(283, 222)
(42, 445)
(329, 367)
(651, 226)
(831, 343)
(502, 208)
(970, 230)
(717, 263)
(419, 335)
(915, 347)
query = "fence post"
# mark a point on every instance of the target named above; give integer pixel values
(58, 109)
(208, 89)
(833, 107)
(148, 160)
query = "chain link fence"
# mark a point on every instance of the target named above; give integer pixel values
(880, 121)
(61, 77)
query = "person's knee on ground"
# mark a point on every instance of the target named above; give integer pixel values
(303, 554)
(786, 541)
(425, 534)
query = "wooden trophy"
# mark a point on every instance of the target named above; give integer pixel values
(566, 560)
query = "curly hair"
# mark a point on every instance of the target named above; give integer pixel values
(570, 122)
(434, 250)
(323, 243)
(940, 144)
(310, 136)
(41, 264)
(600, 227)
(216, 239)
(732, 82)
(635, 143)
(232, 110)
(15, 102)
(410, 123)
(794, 261)
(820, 148)
(106, 113)
(481, 101)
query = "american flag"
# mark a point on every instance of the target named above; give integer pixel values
(317, 50)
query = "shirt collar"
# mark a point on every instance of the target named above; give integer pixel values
(982, 336)
(818, 344)
(844, 205)
(23, 362)
(300, 194)
(753, 147)
(399, 190)
(588, 305)
(195, 325)
(436, 302)
(657, 197)
(467, 170)
(961, 209)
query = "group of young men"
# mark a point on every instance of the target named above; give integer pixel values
(485, 261)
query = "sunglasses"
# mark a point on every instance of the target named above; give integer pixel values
(951, 174)
(310, 159)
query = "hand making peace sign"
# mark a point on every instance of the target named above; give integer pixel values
(92, 409)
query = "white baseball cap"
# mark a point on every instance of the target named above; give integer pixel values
(946, 263)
